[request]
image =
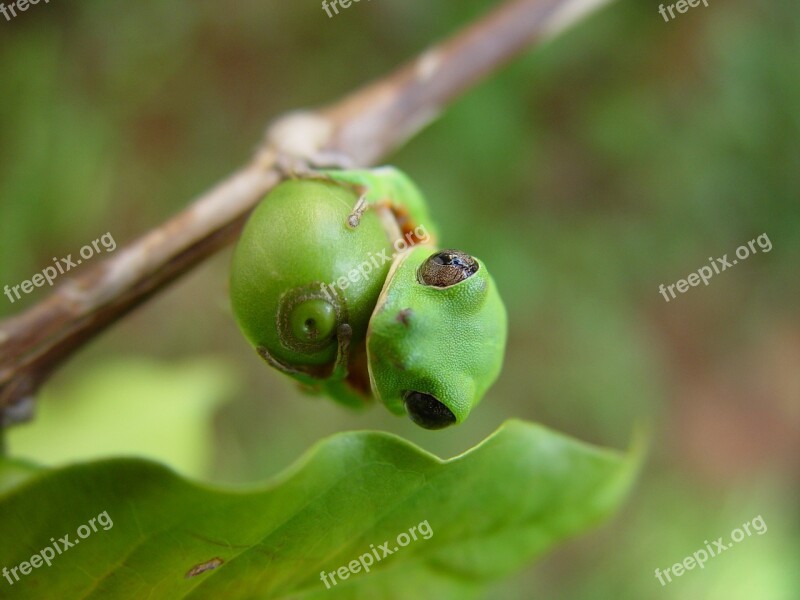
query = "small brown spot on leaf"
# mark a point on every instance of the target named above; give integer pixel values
(209, 565)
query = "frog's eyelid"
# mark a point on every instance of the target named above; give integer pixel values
(447, 268)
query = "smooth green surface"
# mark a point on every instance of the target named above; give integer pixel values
(133, 407)
(491, 510)
(447, 342)
(13, 472)
(297, 241)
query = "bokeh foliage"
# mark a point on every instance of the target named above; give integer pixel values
(613, 159)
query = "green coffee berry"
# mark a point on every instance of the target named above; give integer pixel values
(336, 282)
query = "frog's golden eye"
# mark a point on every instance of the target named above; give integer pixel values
(446, 268)
(426, 411)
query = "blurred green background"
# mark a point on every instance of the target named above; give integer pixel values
(613, 159)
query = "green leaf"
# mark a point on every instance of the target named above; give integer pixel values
(13, 472)
(489, 511)
(132, 406)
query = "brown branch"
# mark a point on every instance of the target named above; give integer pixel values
(361, 130)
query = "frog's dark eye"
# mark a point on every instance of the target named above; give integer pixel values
(446, 268)
(426, 411)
